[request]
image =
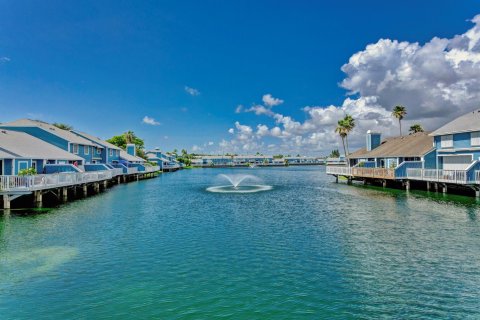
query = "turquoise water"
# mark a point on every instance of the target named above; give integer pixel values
(309, 249)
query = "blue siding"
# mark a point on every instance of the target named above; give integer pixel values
(430, 160)
(21, 164)
(461, 140)
(7, 167)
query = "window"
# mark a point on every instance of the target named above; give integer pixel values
(475, 138)
(99, 151)
(446, 141)
(86, 149)
(111, 152)
(75, 148)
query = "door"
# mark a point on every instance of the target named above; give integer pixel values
(456, 162)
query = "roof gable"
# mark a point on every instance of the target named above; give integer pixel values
(469, 122)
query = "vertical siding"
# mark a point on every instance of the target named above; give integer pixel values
(430, 160)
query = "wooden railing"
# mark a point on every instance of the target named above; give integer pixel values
(339, 170)
(377, 173)
(437, 175)
(47, 181)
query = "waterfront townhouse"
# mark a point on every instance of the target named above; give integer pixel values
(391, 158)
(19, 150)
(105, 152)
(63, 139)
(458, 143)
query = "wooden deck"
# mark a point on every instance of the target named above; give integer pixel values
(357, 172)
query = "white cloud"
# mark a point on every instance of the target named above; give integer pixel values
(196, 148)
(192, 91)
(270, 101)
(211, 143)
(4, 59)
(436, 82)
(150, 121)
(239, 109)
(231, 131)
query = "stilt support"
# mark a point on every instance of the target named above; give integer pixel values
(37, 199)
(64, 194)
(407, 185)
(384, 183)
(6, 202)
(428, 185)
(85, 190)
(444, 188)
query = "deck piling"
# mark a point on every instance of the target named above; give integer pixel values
(38, 199)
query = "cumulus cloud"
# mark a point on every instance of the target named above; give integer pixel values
(239, 109)
(150, 121)
(192, 91)
(435, 81)
(270, 101)
(231, 131)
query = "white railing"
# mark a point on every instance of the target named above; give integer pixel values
(338, 170)
(46, 181)
(477, 176)
(132, 170)
(149, 169)
(447, 176)
(116, 171)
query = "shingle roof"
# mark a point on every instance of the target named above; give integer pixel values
(467, 123)
(23, 145)
(64, 134)
(96, 140)
(124, 155)
(413, 145)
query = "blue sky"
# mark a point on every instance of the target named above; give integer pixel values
(102, 66)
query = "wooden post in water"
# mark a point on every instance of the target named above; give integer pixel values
(119, 179)
(64, 194)
(105, 184)
(336, 179)
(444, 188)
(85, 190)
(6, 201)
(37, 199)
(384, 183)
(96, 187)
(428, 185)
(407, 185)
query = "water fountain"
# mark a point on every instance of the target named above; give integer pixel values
(236, 185)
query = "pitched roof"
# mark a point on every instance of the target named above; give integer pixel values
(413, 145)
(96, 140)
(124, 155)
(64, 134)
(467, 123)
(22, 145)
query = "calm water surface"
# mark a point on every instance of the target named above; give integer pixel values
(309, 249)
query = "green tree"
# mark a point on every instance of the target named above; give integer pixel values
(342, 132)
(399, 112)
(62, 126)
(121, 142)
(334, 154)
(349, 124)
(416, 128)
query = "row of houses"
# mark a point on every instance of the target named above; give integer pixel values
(58, 158)
(447, 156)
(249, 160)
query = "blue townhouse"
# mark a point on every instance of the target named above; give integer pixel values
(60, 138)
(163, 160)
(458, 143)
(19, 151)
(105, 152)
(396, 154)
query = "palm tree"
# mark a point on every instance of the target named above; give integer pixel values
(63, 126)
(416, 128)
(399, 112)
(342, 131)
(129, 137)
(349, 124)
